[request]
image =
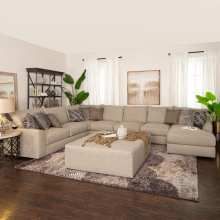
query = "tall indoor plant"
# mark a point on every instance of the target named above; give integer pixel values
(213, 105)
(73, 93)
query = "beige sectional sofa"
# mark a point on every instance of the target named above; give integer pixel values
(180, 139)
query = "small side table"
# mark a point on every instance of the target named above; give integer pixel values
(10, 143)
(218, 153)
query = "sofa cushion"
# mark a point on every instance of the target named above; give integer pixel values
(102, 125)
(96, 113)
(75, 115)
(113, 113)
(131, 126)
(135, 114)
(179, 134)
(156, 114)
(199, 118)
(29, 121)
(186, 117)
(43, 120)
(59, 112)
(54, 121)
(56, 134)
(76, 127)
(85, 112)
(172, 116)
(156, 128)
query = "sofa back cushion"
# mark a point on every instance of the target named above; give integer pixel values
(54, 121)
(135, 114)
(86, 112)
(156, 114)
(186, 117)
(172, 116)
(96, 113)
(113, 113)
(59, 112)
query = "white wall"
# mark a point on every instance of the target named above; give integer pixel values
(16, 55)
(155, 58)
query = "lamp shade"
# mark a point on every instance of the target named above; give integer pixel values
(7, 105)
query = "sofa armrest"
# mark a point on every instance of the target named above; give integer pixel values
(33, 142)
(208, 127)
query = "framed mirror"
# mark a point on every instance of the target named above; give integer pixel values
(8, 85)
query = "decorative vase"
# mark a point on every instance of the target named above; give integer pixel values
(5, 126)
(121, 132)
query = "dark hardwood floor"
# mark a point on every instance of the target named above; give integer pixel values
(26, 195)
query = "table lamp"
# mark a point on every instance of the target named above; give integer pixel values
(7, 105)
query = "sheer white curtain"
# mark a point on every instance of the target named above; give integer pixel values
(103, 81)
(192, 74)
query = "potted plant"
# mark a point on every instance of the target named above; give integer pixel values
(74, 95)
(213, 105)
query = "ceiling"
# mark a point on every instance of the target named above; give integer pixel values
(77, 26)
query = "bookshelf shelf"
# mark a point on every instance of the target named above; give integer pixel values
(41, 82)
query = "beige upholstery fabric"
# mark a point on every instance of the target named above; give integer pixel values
(156, 128)
(156, 114)
(131, 126)
(59, 112)
(102, 125)
(124, 158)
(135, 114)
(50, 148)
(157, 139)
(72, 107)
(76, 127)
(200, 151)
(33, 143)
(113, 113)
(179, 134)
(56, 134)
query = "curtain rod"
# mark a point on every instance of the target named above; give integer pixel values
(103, 58)
(200, 51)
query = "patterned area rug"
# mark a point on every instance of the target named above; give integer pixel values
(161, 174)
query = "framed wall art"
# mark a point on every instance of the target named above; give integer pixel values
(143, 87)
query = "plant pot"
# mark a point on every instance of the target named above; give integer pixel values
(216, 127)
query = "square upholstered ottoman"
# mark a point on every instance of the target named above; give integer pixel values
(123, 158)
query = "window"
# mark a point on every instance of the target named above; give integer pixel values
(192, 74)
(104, 81)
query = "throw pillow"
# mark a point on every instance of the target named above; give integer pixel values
(172, 116)
(42, 120)
(54, 121)
(30, 122)
(186, 117)
(75, 115)
(96, 114)
(86, 112)
(199, 119)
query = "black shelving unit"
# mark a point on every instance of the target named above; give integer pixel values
(34, 87)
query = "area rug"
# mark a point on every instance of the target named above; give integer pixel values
(161, 174)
